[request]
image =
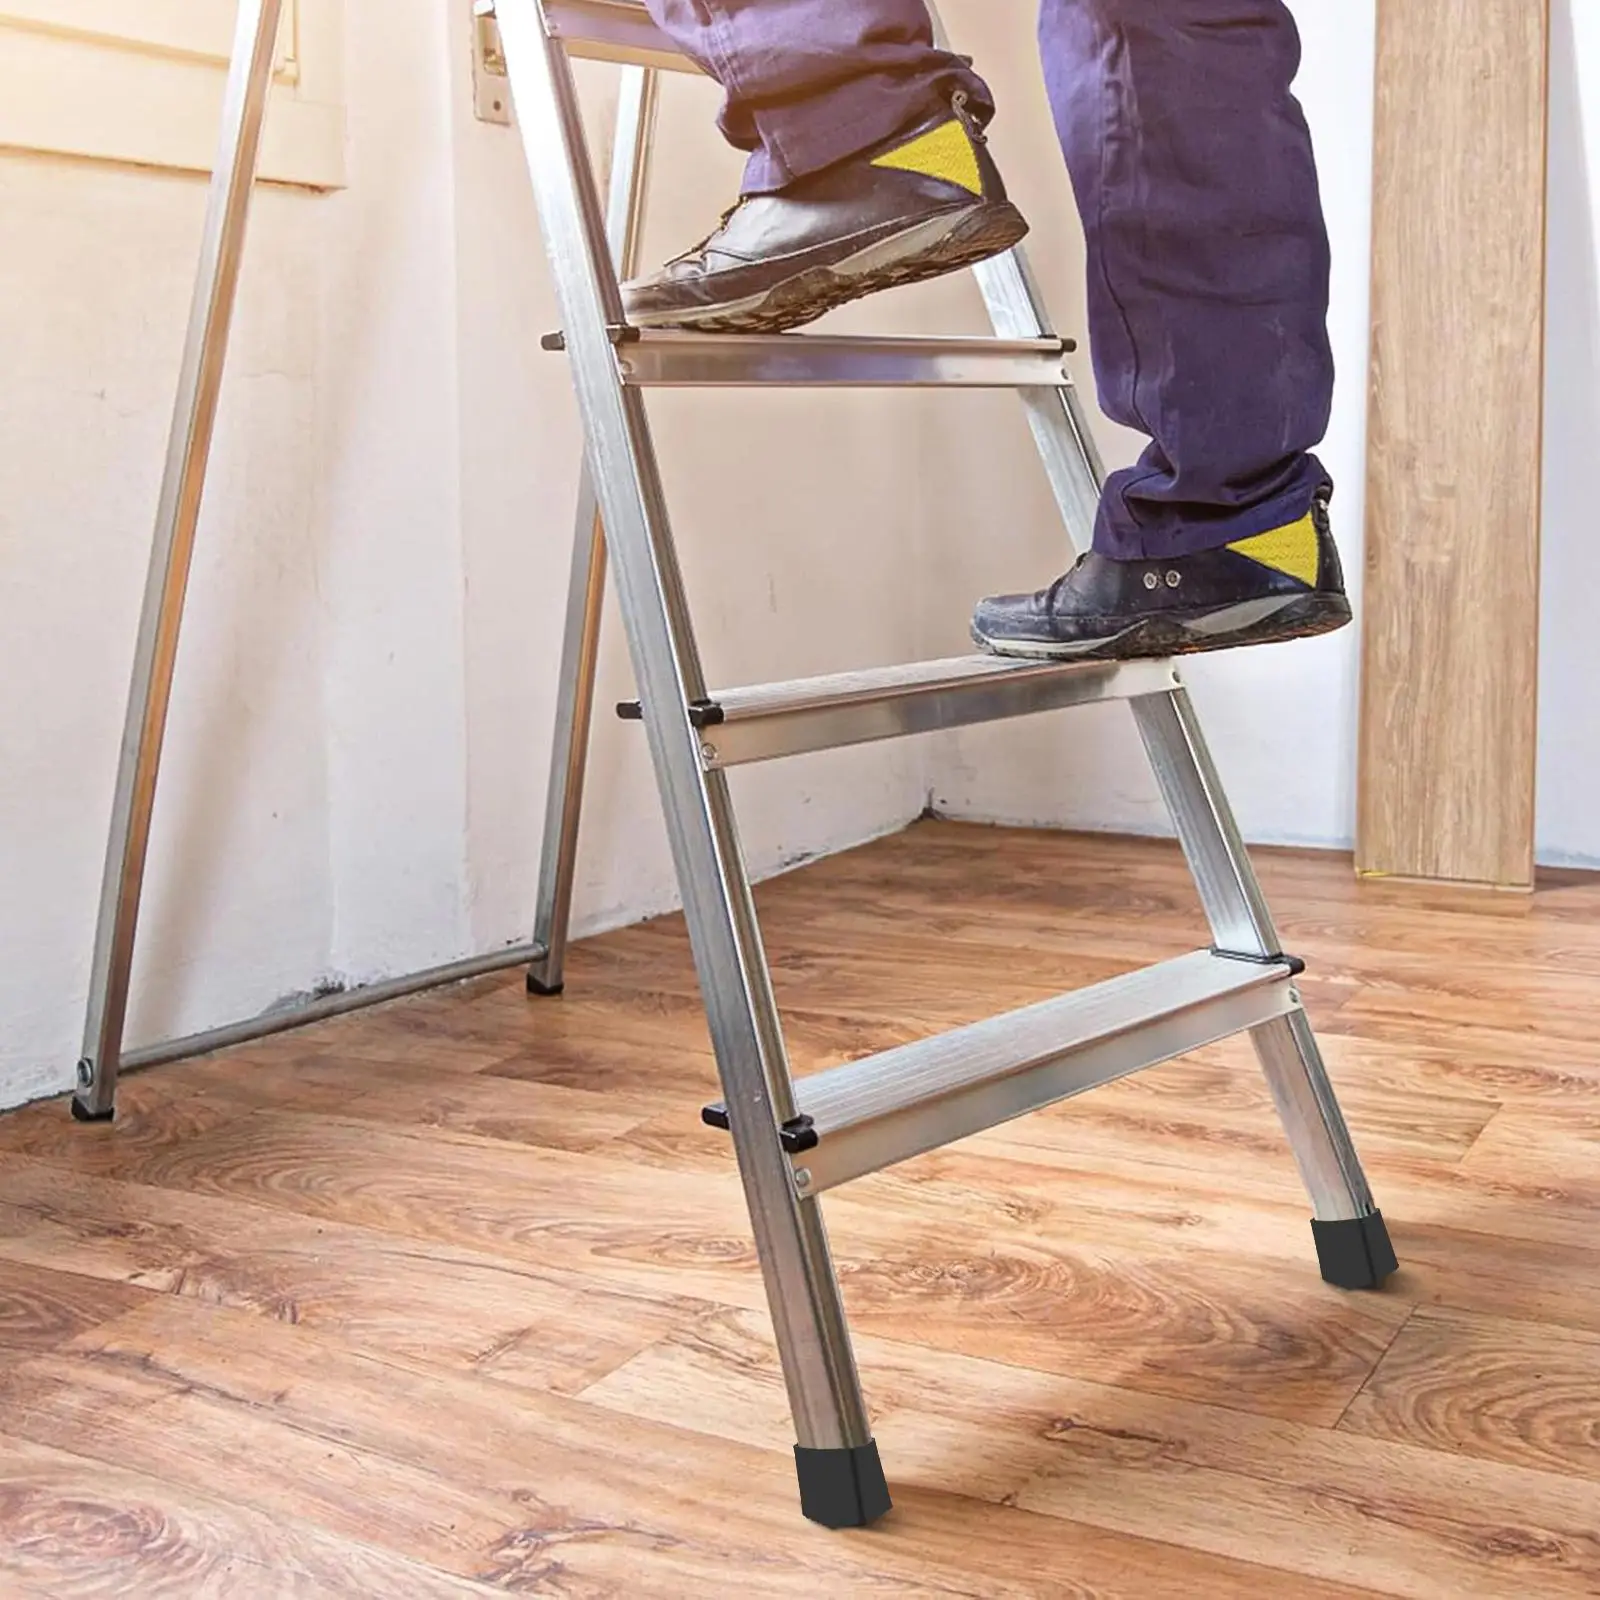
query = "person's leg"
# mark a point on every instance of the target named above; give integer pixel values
(812, 82)
(1208, 260)
(868, 166)
(1208, 267)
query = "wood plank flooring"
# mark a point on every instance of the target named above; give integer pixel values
(457, 1297)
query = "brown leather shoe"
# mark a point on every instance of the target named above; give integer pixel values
(922, 204)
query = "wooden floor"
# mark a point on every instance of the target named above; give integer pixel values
(457, 1297)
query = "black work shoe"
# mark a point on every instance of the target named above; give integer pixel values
(1286, 584)
(923, 204)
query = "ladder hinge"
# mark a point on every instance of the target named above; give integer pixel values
(798, 1136)
(1295, 965)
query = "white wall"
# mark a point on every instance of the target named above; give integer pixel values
(354, 784)
(388, 470)
(1569, 728)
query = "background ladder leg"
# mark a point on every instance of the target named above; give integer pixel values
(580, 656)
(1352, 1243)
(630, 176)
(177, 515)
(841, 1479)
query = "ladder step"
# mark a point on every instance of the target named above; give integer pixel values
(887, 1108)
(613, 30)
(847, 708)
(652, 358)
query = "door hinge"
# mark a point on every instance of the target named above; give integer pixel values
(491, 89)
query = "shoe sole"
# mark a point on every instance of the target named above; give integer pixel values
(1268, 621)
(931, 249)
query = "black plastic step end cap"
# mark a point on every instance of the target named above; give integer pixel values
(716, 1117)
(630, 711)
(1355, 1254)
(544, 991)
(553, 342)
(81, 1113)
(800, 1136)
(842, 1488)
(1295, 965)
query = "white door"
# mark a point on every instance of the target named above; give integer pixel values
(141, 81)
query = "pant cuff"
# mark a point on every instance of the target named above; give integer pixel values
(798, 140)
(1188, 530)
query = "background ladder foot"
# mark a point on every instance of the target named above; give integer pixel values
(537, 986)
(81, 1113)
(1355, 1253)
(842, 1488)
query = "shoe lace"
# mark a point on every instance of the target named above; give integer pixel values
(1053, 593)
(960, 101)
(697, 252)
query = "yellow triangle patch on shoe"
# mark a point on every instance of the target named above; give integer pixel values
(1293, 550)
(945, 153)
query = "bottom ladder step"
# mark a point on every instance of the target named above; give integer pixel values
(887, 1108)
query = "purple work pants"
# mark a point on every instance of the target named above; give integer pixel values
(1193, 169)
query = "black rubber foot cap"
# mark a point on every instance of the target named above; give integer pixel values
(1355, 1254)
(545, 991)
(81, 1113)
(842, 1488)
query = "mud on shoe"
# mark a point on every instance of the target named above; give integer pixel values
(921, 205)
(1285, 584)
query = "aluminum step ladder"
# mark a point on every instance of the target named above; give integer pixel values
(794, 1140)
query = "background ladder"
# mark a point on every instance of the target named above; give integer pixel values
(793, 1140)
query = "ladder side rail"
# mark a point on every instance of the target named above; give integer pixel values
(1241, 922)
(632, 148)
(1308, 1107)
(172, 549)
(1234, 904)
(1057, 418)
(808, 1316)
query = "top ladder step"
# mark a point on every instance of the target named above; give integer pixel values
(887, 1108)
(613, 30)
